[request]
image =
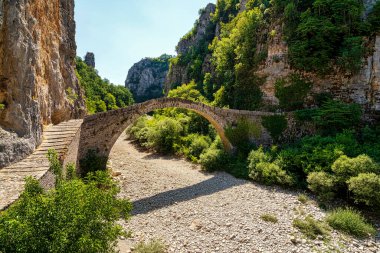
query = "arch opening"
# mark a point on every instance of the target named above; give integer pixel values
(101, 131)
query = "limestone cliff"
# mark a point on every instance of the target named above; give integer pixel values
(147, 77)
(200, 36)
(89, 59)
(38, 85)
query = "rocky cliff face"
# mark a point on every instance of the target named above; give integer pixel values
(201, 32)
(146, 78)
(38, 85)
(89, 59)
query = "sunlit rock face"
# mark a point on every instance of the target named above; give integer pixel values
(203, 29)
(147, 77)
(38, 85)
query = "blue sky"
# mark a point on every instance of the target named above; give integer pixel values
(122, 32)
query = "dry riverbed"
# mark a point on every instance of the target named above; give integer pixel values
(192, 211)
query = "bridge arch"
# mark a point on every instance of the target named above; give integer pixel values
(100, 131)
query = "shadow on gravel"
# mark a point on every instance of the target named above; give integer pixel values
(219, 182)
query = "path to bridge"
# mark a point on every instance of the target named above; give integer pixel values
(56, 137)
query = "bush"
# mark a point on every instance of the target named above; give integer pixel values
(74, 217)
(365, 189)
(292, 92)
(276, 125)
(269, 218)
(350, 222)
(334, 117)
(303, 198)
(92, 162)
(311, 227)
(194, 145)
(345, 167)
(150, 247)
(214, 159)
(241, 135)
(261, 169)
(322, 184)
(270, 174)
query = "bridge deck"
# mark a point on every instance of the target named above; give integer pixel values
(56, 137)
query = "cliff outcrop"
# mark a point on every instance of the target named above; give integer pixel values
(38, 85)
(193, 43)
(147, 77)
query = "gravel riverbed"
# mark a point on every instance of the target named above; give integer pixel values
(192, 211)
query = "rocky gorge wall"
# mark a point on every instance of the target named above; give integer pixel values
(38, 85)
(147, 77)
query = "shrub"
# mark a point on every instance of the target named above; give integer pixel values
(350, 222)
(365, 189)
(292, 91)
(311, 227)
(74, 217)
(269, 218)
(261, 169)
(241, 135)
(334, 117)
(195, 145)
(214, 159)
(303, 198)
(321, 184)
(155, 246)
(276, 125)
(345, 167)
(270, 174)
(92, 162)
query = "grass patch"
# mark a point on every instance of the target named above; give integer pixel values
(303, 198)
(312, 228)
(155, 246)
(351, 222)
(269, 218)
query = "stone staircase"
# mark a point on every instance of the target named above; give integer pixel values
(57, 137)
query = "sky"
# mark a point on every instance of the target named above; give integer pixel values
(122, 32)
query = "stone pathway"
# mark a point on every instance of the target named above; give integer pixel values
(192, 211)
(56, 137)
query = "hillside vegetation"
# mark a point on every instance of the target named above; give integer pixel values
(101, 95)
(340, 161)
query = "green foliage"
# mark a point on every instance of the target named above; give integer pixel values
(71, 95)
(155, 246)
(323, 32)
(236, 57)
(374, 18)
(2, 106)
(214, 158)
(276, 125)
(312, 228)
(350, 222)
(55, 165)
(92, 162)
(262, 169)
(344, 167)
(365, 188)
(194, 145)
(333, 116)
(269, 218)
(322, 184)
(292, 91)
(303, 198)
(241, 136)
(100, 94)
(74, 217)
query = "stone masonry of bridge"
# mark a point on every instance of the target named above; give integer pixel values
(99, 132)
(59, 137)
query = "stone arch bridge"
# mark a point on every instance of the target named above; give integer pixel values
(100, 131)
